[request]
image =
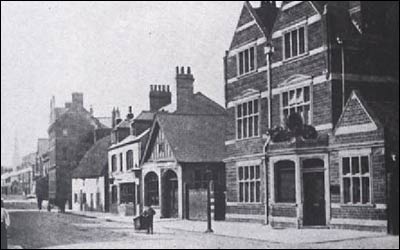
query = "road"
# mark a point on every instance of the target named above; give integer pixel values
(32, 230)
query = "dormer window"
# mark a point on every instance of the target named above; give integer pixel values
(294, 43)
(247, 61)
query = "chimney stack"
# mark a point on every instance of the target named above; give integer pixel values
(160, 96)
(68, 105)
(130, 115)
(118, 119)
(77, 99)
(113, 118)
(184, 88)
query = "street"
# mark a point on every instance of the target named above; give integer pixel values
(31, 229)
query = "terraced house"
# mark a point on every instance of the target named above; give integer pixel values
(333, 64)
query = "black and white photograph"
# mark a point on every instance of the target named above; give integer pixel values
(199, 125)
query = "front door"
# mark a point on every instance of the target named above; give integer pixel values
(170, 190)
(314, 199)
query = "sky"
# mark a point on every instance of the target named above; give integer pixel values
(110, 51)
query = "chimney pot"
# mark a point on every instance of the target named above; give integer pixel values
(188, 70)
(183, 70)
(177, 70)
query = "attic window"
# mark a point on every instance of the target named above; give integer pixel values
(247, 61)
(294, 43)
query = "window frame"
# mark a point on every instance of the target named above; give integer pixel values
(247, 117)
(297, 105)
(289, 31)
(129, 159)
(114, 163)
(249, 181)
(242, 51)
(358, 175)
(276, 172)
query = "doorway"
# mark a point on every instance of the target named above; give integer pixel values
(170, 195)
(314, 199)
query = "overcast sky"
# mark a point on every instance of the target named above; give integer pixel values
(110, 51)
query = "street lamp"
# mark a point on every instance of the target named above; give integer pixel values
(209, 180)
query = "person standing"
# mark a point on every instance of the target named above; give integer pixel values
(5, 223)
(148, 215)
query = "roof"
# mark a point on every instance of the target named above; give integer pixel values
(124, 124)
(129, 140)
(106, 121)
(146, 115)
(202, 105)
(193, 138)
(265, 16)
(94, 163)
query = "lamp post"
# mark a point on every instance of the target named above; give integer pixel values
(341, 44)
(209, 228)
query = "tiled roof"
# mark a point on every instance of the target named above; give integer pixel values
(94, 163)
(194, 138)
(146, 115)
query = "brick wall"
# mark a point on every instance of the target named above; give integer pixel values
(294, 14)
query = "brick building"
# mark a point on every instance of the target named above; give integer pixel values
(72, 132)
(307, 58)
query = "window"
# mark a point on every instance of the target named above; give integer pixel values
(247, 120)
(151, 189)
(113, 163)
(127, 193)
(249, 178)
(121, 162)
(75, 198)
(294, 43)
(129, 159)
(297, 101)
(285, 184)
(114, 195)
(246, 61)
(356, 180)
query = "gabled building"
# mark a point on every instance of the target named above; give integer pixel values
(125, 154)
(90, 179)
(184, 152)
(72, 132)
(304, 58)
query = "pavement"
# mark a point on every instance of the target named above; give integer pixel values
(253, 231)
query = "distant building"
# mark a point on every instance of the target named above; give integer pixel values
(72, 132)
(90, 179)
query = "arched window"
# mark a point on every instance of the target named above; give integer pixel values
(151, 189)
(129, 159)
(113, 163)
(285, 182)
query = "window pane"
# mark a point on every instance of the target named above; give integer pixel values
(240, 173)
(252, 57)
(250, 126)
(346, 166)
(246, 192)
(241, 63)
(364, 165)
(306, 94)
(241, 192)
(346, 190)
(285, 182)
(285, 113)
(294, 43)
(356, 190)
(251, 172)
(252, 187)
(257, 172)
(307, 115)
(244, 109)
(292, 97)
(250, 108)
(239, 129)
(365, 190)
(239, 111)
(246, 173)
(299, 96)
(355, 165)
(285, 99)
(301, 41)
(245, 127)
(287, 45)
(258, 191)
(256, 125)
(292, 111)
(255, 102)
(246, 61)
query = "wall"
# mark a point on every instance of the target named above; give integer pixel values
(89, 186)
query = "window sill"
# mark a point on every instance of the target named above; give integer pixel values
(295, 58)
(239, 77)
(358, 205)
(249, 138)
(284, 204)
(249, 203)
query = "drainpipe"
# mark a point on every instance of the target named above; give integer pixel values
(341, 44)
(268, 50)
